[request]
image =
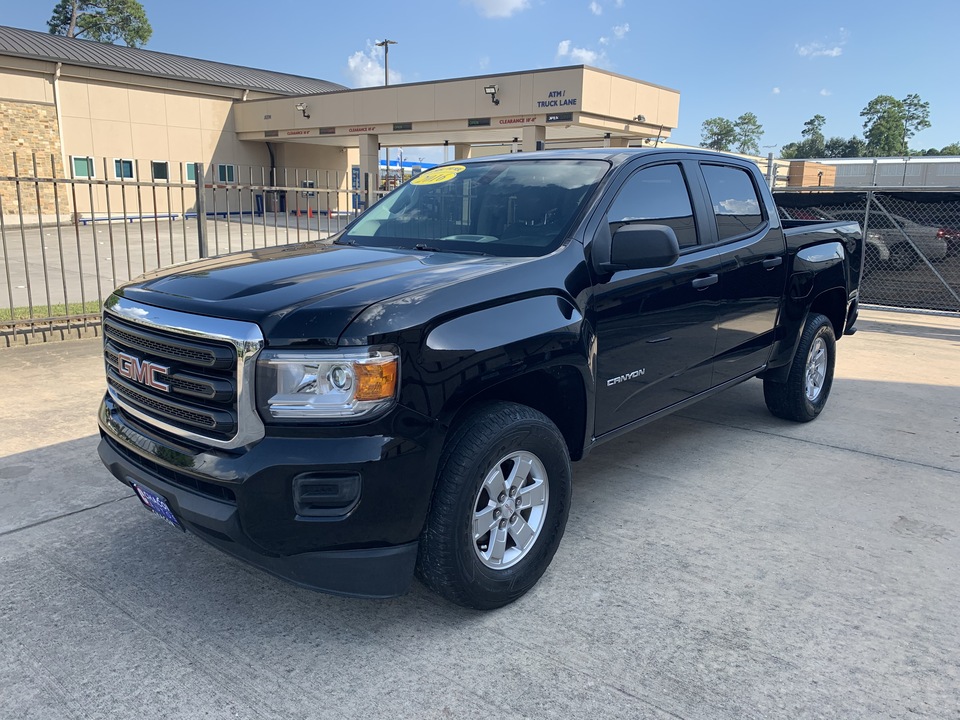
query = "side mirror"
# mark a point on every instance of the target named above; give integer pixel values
(638, 247)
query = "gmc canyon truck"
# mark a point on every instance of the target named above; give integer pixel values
(406, 398)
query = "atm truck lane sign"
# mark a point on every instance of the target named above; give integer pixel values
(557, 98)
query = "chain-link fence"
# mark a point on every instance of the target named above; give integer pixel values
(66, 243)
(912, 242)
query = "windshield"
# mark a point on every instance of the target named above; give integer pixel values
(511, 208)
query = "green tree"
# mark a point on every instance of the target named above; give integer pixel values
(747, 134)
(813, 136)
(718, 134)
(812, 145)
(890, 123)
(104, 21)
(951, 149)
(837, 147)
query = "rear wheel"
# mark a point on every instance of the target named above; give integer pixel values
(903, 256)
(804, 394)
(499, 509)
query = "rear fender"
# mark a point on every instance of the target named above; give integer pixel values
(817, 283)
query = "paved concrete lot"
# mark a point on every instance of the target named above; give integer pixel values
(717, 564)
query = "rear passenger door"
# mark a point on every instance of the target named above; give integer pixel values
(656, 329)
(753, 269)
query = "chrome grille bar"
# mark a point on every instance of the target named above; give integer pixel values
(209, 395)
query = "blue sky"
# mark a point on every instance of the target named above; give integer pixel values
(785, 62)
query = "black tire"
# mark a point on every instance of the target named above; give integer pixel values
(449, 560)
(791, 400)
(903, 256)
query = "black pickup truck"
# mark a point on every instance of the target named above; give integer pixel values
(407, 397)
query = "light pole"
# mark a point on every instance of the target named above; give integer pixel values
(385, 44)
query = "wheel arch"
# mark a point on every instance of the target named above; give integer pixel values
(559, 392)
(833, 304)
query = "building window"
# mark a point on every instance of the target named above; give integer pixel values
(225, 173)
(191, 172)
(82, 167)
(952, 170)
(160, 170)
(123, 169)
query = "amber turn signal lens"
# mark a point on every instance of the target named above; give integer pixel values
(376, 380)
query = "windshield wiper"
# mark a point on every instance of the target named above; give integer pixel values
(431, 248)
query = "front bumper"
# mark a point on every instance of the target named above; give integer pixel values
(242, 502)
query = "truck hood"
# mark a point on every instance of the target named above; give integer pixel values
(304, 294)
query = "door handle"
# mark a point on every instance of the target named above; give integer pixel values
(771, 262)
(702, 282)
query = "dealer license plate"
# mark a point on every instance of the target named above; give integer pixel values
(157, 504)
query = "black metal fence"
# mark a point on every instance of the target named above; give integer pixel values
(66, 243)
(912, 241)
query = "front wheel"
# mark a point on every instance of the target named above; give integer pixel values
(499, 508)
(804, 394)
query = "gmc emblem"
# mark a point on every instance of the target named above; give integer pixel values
(142, 371)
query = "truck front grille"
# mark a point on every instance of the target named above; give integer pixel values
(184, 374)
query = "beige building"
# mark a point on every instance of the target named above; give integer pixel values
(89, 110)
(118, 115)
(523, 111)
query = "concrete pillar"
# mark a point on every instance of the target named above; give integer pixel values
(461, 151)
(370, 163)
(532, 134)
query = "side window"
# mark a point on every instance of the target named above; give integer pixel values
(82, 167)
(734, 199)
(657, 195)
(160, 170)
(123, 169)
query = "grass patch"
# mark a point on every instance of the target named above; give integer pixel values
(57, 310)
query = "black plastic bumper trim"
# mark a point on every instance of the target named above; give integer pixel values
(382, 572)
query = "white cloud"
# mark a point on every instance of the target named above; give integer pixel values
(776, 91)
(578, 55)
(604, 40)
(816, 49)
(499, 8)
(365, 68)
(831, 48)
(739, 207)
(825, 92)
(618, 3)
(620, 31)
(484, 62)
(596, 8)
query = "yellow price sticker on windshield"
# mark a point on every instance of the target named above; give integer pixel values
(438, 175)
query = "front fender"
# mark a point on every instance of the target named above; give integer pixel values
(467, 357)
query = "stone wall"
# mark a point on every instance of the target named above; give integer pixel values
(27, 128)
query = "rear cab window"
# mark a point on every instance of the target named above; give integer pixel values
(735, 201)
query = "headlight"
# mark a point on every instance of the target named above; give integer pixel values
(319, 384)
